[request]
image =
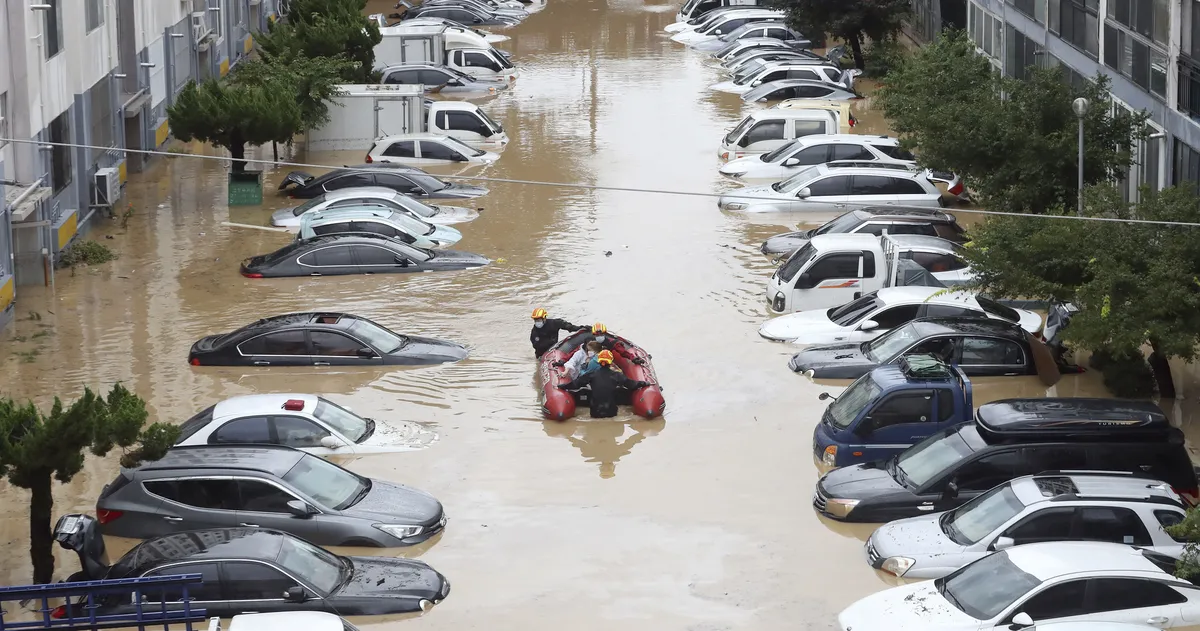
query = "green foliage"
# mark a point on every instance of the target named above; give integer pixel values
(1126, 372)
(86, 252)
(851, 21)
(882, 56)
(36, 448)
(1187, 530)
(1020, 152)
(325, 28)
(233, 114)
(312, 81)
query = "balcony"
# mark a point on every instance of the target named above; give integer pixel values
(1189, 86)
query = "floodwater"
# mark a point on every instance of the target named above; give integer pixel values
(700, 520)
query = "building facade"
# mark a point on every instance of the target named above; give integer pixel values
(99, 73)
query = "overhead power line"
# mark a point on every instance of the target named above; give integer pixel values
(574, 185)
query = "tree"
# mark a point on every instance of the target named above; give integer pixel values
(232, 114)
(326, 28)
(851, 21)
(313, 82)
(1135, 284)
(1019, 153)
(1187, 530)
(36, 449)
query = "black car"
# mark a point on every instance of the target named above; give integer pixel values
(872, 220)
(258, 570)
(1010, 439)
(980, 346)
(355, 253)
(466, 16)
(320, 339)
(407, 180)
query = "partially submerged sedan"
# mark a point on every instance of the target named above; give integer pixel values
(798, 89)
(372, 196)
(377, 220)
(426, 149)
(355, 253)
(320, 339)
(834, 186)
(873, 220)
(408, 180)
(814, 149)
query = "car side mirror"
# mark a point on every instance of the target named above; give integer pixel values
(300, 509)
(804, 192)
(329, 442)
(1002, 543)
(1021, 621)
(455, 82)
(401, 261)
(868, 325)
(367, 353)
(804, 281)
(824, 396)
(791, 162)
(951, 491)
(295, 595)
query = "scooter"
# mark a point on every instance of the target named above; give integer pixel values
(81, 534)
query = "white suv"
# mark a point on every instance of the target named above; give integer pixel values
(1066, 506)
(807, 151)
(838, 187)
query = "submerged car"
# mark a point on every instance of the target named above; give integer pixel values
(408, 180)
(356, 253)
(872, 220)
(815, 149)
(441, 79)
(798, 89)
(757, 75)
(466, 16)
(834, 186)
(377, 220)
(372, 196)
(756, 30)
(320, 339)
(426, 149)
(980, 347)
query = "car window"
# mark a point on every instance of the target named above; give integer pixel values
(378, 227)
(1052, 458)
(194, 424)
(278, 343)
(988, 586)
(466, 122)
(1168, 518)
(951, 311)
(350, 180)
(851, 152)
(1117, 594)
(397, 182)
(988, 471)
(1056, 601)
(778, 33)
(945, 405)
(937, 262)
(911, 228)
(251, 429)
(434, 77)
(895, 316)
(835, 266)
(260, 497)
(970, 523)
(809, 128)
(834, 185)
(297, 432)
(406, 77)
(331, 256)
(803, 73)
(832, 74)
(1049, 524)
(869, 185)
(332, 228)
(372, 255)
(326, 483)
(332, 343)
(480, 60)
(812, 155)
(437, 151)
(914, 406)
(208, 590)
(811, 91)
(986, 351)
(1112, 523)
(199, 493)
(254, 581)
(904, 186)
(766, 130)
(402, 149)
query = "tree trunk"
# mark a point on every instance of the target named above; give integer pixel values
(41, 540)
(1162, 372)
(237, 151)
(275, 150)
(856, 49)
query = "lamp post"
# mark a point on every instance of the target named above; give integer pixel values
(1080, 107)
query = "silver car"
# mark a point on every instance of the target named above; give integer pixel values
(1064, 506)
(264, 486)
(373, 196)
(837, 187)
(798, 89)
(440, 79)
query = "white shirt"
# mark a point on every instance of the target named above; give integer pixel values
(577, 362)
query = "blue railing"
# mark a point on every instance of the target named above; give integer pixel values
(83, 615)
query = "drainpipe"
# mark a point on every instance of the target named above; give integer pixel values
(29, 191)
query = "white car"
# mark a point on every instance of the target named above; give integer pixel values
(1063, 506)
(426, 149)
(705, 20)
(726, 23)
(837, 187)
(302, 421)
(878, 312)
(373, 196)
(284, 621)
(1043, 582)
(807, 151)
(787, 69)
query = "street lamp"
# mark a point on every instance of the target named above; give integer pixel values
(1080, 107)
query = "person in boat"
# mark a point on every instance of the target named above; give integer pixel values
(609, 343)
(544, 334)
(604, 383)
(581, 364)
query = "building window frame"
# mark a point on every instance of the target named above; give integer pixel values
(59, 132)
(1078, 24)
(93, 14)
(4, 124)
(1186, 161)
(1136, 58)
(52, 33)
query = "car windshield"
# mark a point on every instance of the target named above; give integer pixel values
(853, 401)
(777, 155)
(888, 345)
(855, 310)
(798, 180)
(462, 147)
(315, 566)
(998, 310)
(929, 458)
(411, 224)
(496, 128)
(327, 483)
(347, 423)
(797, 260)
(986, 587)
(378, 337)
(415, 206)
(840, 224)
(971, 522)
(736, 132)
(429, 183)
(308, 205)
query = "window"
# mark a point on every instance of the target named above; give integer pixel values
(808, 92)
(895, 153)
(836, 185)
(297, 432)
(1050, 524)
(261, 497)
(903, 186)
(988, 471)
(985, 351)
(1056, 601)
(1079, 25)
(378, 227)
(252, 429)
(405, 77)
(1116, 594)
(813, 155)
(778, 33)
(350, 180)
(3, 118)
(434, 77)
(333, 228)
(480, 60)
(1050, 458)
(851, 152)
(438, 151)
(905, 407)
(766, 130)
(280, 343)
(1168, 518)
(208, 590)
(206, 494)
(332, 256)
(373, 255)
(52, 28)
(254, 581)
(1187, 159)
(405, 149)
(60, 156)
(809, 128)
(803, 73)
(1115, 524)
(945, 405)
(935, 262)
(397, 183)
(1019, 53)
(465, 121)
(101, 123)
(1032, 8)
(951, 311)
(93, 14)
(835, 266)
(1149, 18)
(869, 185)
(1141, 63)
(896, 316)
(330, 343)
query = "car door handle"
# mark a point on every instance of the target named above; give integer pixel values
(168, 518)
(320, 363)
(262, 363)
(925, 506)
(247, 525)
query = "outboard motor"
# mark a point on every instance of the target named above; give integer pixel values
(81, 534)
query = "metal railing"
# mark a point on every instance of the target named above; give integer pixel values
(88, 596)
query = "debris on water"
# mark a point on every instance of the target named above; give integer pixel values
(608, 253)
(501, 260)
(108, 236)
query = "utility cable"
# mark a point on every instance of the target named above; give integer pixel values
(574, 185)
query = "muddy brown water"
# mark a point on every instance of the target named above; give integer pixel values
(700, 520)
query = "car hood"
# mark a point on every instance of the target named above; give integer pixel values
(915, 606)
(858, 482)
(451, 214)
(285, 217)
(729, 86)
(752, 195)
(433, 347)
(918, 537)
(461, 191)
(818, 358)
(804, 327)
(739, 166)
(396, 504)
(457, 259)
(786, 243)
(444, 235)
(388, 577)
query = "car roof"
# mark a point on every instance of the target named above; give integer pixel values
(416, 136)
(353, 238)
(290, 620)
(813, 139)
(365, 191)
(926, 242)
(787, 83)
(288, 320)
(752, 25)
(344, 213)
(1067, 486)
(253, 404)
(276, 460)
(897, 212)
(920, 293)
(869, 168)
(971, 326)
(790, 114)
(1071, 415)
(1060, 558)
(197, 545)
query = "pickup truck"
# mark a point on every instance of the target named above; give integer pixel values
(284, 621)
(890, 409)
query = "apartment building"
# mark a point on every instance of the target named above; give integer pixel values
(99, 73)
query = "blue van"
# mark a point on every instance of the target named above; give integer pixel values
(891, 408)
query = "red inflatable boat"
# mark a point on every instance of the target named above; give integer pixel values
(559, 405)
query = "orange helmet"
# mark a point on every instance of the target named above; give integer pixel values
(539, 313)
(605, 358)
(598, 328)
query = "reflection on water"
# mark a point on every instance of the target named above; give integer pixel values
(604, 441)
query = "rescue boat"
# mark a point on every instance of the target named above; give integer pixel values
(559, 405)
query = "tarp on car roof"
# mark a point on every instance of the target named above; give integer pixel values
(911, 274)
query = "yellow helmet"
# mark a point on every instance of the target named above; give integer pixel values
(539, 313)
(605, 358)
(598, 328)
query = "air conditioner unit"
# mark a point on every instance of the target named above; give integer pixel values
(108, 186)
(200, 30)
